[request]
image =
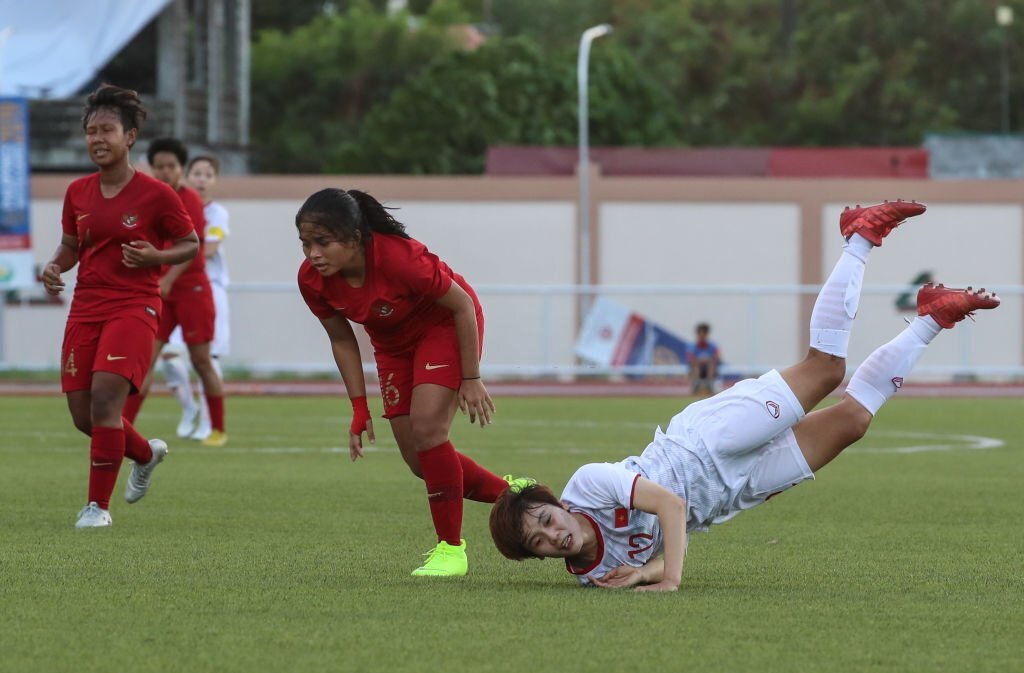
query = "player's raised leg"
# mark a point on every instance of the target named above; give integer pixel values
(824, 367)
(822, 435)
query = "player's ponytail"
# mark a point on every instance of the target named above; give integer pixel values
(376, 216)
(349, 215)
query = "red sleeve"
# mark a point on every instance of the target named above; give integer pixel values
(67, 220)
(174, 222)
(420, 270)
(194, 207)
(318, 306)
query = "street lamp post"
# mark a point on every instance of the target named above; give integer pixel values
(589, 35)
(1004, 19)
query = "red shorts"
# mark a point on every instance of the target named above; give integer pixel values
(121, 345)
(191, 307)
(434, 359)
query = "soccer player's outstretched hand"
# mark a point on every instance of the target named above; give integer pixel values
(139, 254)
(355, 442)
(361, 422)
(660, 586)
(52, 280)
(476, 401)
(622, 577)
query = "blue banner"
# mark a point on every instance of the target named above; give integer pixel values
(16, 262)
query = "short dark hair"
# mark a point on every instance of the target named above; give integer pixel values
(507, 518)
(208, 158)
(704, 327)
(125, 102)
(172, 145)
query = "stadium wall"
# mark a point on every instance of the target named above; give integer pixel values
(520, 232)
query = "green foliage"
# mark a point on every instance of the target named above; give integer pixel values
(506, 92)
(553, 24)
(313, 86)
(359, 91)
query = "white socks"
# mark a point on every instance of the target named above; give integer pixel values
(176, 372)
(837, 303)
(882, 373)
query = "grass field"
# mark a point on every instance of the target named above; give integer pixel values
(276, 553)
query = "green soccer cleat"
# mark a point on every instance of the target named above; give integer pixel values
(444, 560)
(519, 483)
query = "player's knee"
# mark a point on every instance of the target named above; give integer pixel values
(428, 432)
(858, 420)
(82, 423)
(105, 408)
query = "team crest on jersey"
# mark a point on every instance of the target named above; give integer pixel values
(382, 308)
(897, 381)
(130, 220)
(621, 517)
(773, 408)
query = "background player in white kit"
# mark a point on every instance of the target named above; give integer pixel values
(737, 449)
(195, 424)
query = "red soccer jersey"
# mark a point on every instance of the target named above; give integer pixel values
(397, 300)
(145, 209)
(195, 272)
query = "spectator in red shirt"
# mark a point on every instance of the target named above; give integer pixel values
(119, 227)
(187, 293)
(426, 326)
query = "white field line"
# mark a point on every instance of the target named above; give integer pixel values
(922, 442)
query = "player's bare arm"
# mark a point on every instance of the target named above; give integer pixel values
(671, 512)
(64, 257)
(473, 396)
(345, 349)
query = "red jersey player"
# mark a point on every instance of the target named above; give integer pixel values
(426, 326)
(187, 292)
(119, 226)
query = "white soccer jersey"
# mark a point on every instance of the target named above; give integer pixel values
(603, 492)
(722, 455)
(217, 229)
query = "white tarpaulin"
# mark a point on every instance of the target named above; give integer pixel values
(52, 48)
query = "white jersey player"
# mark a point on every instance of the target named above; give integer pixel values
(625, 524)
(195, 418)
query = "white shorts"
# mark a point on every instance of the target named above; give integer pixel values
(222, 322)
(747, 433)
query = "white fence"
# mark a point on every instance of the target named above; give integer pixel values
(531, 330)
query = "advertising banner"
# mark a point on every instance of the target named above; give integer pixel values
(16, 262)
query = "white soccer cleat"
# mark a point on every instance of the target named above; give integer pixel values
(187, 424)
(142, 475)
(202, 433)
(92, 516)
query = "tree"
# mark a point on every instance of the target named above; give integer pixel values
(313, 86)
(506, 92)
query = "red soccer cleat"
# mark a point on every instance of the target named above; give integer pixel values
(948, 305)
(875, 222)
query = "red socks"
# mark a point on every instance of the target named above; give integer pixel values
(106, 451)
(442, 473)
(135, 445)
(216, 406)
(132, 406)
(478, 483)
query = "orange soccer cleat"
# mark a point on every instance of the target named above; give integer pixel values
(948, 305)
(875, 222)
